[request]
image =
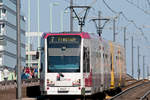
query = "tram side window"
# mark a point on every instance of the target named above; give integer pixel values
(86, 60)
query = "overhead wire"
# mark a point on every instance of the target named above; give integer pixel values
(126, 18)
(121, 13)
(137, 6)
(92, 3)
(148, 3)
(109, 7)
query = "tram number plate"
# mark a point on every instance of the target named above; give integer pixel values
(62, 89)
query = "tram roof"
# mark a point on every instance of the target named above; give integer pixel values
(85, 35)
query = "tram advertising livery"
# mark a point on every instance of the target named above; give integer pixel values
(80, 64)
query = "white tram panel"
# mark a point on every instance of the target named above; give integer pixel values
(60, 83)
(100, 68)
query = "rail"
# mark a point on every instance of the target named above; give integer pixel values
(145, 96)
(125, 91)
(134, 83)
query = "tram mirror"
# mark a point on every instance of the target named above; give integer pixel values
(37, 55)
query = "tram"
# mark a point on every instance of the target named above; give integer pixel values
(80, 64)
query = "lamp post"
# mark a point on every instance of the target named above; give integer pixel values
(38, 34)
(29, 29)
(61, 19)
(51, 16)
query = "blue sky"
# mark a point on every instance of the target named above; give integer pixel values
(130, 11)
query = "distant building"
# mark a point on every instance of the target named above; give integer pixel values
(31, 48)
(8, 35)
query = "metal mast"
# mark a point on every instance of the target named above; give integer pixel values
(71, 16)
(114, 30)
(99, 23)
(18, 51)
(29, 5)
(38, 20)
(98, 26)
(132, 58)
(143, 67)
(38, 14)
(138, 63)
(125, 38)
(80, 19)
(147, 71)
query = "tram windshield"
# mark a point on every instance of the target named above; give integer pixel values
(64, 53)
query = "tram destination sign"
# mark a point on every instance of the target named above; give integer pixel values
(64, 39)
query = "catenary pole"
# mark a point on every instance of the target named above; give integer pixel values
(38, 15)
(29, 57)
(99, 24)
(18, 52)
(114, 30)
(132, 56)
(125, 38)
(38, 34)
(143, 67)
(138, 62)
(61, 21)
(147, 71)
(71, 16)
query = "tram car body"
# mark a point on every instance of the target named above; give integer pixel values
(80, 64)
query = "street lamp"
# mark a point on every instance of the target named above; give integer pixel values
(38, 34)
(51, 19)
(61, 19)
(29, 29)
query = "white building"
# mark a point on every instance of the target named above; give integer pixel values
(31, 48)
(8, 34)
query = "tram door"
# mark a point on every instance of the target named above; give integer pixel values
(86, 67)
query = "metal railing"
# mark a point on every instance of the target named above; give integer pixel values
(25, 82)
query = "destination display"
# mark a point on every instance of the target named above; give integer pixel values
(64, 39)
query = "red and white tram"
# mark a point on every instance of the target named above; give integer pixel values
(80, 64)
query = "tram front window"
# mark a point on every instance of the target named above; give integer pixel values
(64, 53)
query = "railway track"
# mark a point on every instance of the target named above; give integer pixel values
(138, 91)
(133, 83)
(146, 96)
